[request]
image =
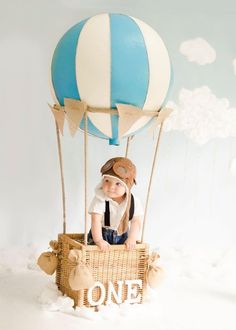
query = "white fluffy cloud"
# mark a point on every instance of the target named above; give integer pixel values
(198, 50)
(202, 116)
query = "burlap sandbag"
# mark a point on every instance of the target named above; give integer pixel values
(47, 261)
(155, 274)
(54, 245)
(80, 276)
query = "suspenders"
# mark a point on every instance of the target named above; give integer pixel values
(107, 212)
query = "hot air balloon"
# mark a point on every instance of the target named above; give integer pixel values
(112, 59)
(110, 77)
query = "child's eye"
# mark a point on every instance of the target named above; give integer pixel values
(118, 184)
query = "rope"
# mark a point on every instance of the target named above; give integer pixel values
(127, 146)
(62, 177)
(146, 113)
(150, 179)
(85, 176)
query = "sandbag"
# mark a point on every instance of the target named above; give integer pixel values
(47, 261)
(81, 275)
(155, 273)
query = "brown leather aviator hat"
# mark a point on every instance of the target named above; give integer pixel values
(122, 168)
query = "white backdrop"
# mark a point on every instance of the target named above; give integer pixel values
(192, 199)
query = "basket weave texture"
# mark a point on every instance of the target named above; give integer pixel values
(117, 264)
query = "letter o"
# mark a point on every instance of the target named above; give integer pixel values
(102, 296)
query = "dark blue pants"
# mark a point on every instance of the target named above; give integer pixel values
(110, 236)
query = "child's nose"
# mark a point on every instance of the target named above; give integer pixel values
(112, 185)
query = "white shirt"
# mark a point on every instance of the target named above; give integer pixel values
(117, 210)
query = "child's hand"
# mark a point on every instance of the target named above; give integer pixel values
(130, 243)
(103, 245)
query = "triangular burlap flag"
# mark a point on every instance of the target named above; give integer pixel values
(128, 115)
(74, 112)
(59, 116)
(163, 114)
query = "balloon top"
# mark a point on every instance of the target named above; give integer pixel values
(109, 59)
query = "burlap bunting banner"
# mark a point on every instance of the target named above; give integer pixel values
(59, 115)
(75, 110)
(128, 115)
(163, 114)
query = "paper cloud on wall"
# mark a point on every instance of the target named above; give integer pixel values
(198, 50)
(202, 116)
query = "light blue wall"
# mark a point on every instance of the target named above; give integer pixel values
(193, 191)
(175, 22)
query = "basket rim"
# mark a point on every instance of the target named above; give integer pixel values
(120, 247)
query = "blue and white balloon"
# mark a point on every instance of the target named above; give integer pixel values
(109, 59)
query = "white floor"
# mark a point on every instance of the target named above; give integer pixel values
(183, 302)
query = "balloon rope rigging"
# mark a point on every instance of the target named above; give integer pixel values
(85, 176)
(127, 146)
(62, 178)
(150, 179)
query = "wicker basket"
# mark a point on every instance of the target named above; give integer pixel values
(115, 265)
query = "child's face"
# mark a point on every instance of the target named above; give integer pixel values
(113, 188)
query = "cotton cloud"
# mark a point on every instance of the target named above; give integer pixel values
(198, 50)
(234, 66)
(202, 116)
